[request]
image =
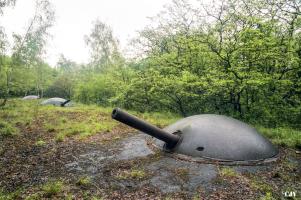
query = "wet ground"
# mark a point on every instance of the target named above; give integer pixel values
(169, 175)
(115, 162)
(131, 168)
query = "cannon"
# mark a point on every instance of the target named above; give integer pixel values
(170, 140)
(206, 136)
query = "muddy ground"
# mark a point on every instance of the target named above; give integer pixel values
(128, 167)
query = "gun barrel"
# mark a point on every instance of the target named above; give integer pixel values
(170, 139)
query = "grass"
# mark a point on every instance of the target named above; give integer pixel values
(260, 185)
(7, 129)
(81, 121)
(267, 196)
(84, 121)
(137, 174)
(35, 196)
(40, 142)
(286, 137)
(227, 172)
(9, 196)
(52, 188)
(84, 181)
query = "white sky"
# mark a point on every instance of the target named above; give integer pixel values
(74, 20)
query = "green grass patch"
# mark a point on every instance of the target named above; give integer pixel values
(60, 137)
(137, 174)
(260, 185)
(83, 129)
(227, 172)
(35, 196)
(52, 188)
(40, 143)
(286, 137)
(267, 196)
(19, 112)
(84, 181)
(6, 129)
(10, 196)
(82, 121)
(132, 174)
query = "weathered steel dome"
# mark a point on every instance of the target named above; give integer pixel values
(220, 138)
(30, 97)
(57, 102)
(208, 136)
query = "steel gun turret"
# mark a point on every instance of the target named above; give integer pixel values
(207, 136)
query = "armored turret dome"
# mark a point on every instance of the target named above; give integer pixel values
(30, 97)
(222, 138)
(206, 137)
(57, 102)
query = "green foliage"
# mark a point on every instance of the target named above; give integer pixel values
(98, 89)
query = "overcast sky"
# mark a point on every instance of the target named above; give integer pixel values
(74, 20)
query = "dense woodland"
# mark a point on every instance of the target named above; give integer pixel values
(240, 58)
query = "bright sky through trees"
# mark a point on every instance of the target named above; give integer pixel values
(74, 19)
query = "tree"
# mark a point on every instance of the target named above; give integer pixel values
(241, 59)
(29, 48)
(103, 46)
(65, 65)
(4, 71)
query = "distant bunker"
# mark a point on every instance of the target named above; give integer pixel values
(30, 97)
(57, 102)
(207, 137)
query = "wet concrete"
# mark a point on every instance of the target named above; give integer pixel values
(168, 174)
(89, 163)
(175, 175)
(134, 147)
